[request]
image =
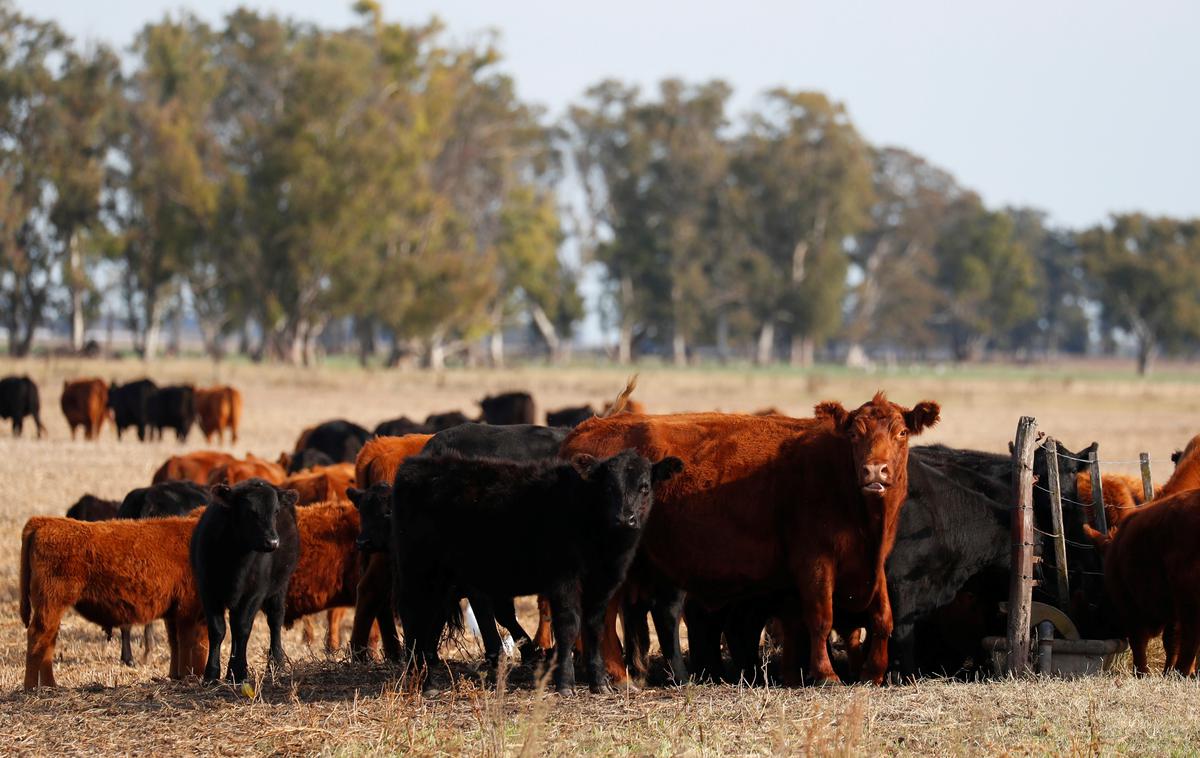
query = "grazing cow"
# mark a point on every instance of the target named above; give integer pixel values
(171, 498)
(569, 417)
(173, 407)
(506, 528)
(318, 485)
(773, 504)
(114, 573)
(92, 508)
(85, 404)
(1152, 577)
(192, 467)
(436, 422)
(328, 572)
(252, 467)
(339, 439)
(217, 409)
(398, 427)
(131, 405)
(509, 408)
(18, 399)
(243, 553)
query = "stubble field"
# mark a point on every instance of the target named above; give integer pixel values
(323, 704)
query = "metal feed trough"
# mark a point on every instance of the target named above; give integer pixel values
(1065, 655)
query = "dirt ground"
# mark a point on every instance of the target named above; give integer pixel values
(323, 704)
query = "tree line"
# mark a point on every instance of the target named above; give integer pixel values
(381, 188)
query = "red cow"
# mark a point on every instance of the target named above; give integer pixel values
(85, 403)
(193, 467)
(1187, 470)
(327, 576)
(1152, 576)
(217, 409)
(114, 573)
(770, 503)
(381, 456)
(237, 471)
(321, 483)
(1122, 494)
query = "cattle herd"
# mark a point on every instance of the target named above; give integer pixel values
(817, 549)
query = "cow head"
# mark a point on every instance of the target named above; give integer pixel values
(374, 506)
(255, 506)
(627, 482)
(878, 432)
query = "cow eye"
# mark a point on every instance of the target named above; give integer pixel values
(903, 434)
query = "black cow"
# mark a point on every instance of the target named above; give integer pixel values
(243, 553)
(509, 408)
(503, 528)
(519, 442)
(306, 459)
(569, 417)
(18, 399)
(131, 405)
(175, 498)
(436, 422)
(339, 439)
(92, 508)
(398, 427)
(173, 407)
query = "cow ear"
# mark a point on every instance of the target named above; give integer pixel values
(1175, 456)
(289, 498)
(356, 496)
(665, 469)
(1098, 538)
(584, 464)
(922, 416)
(833, 411)
(1080, 460)
(222, 495)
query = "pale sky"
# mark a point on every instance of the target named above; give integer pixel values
(1079, 108)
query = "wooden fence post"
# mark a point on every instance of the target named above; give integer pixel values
(1020, 585)
(1147, 484)
(1098, 514)
(1056, 519)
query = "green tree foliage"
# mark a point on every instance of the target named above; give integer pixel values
(1145, 275)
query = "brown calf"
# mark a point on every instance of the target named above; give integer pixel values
(1122, 494)
(327, 576)
(114, 573)
(193, 467)
(237, 471)
(85, 404)
(321, 483)
(217, 409)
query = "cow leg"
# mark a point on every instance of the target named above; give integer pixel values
(614, 660)
(216, 635)
(666, 610)
(333, 629)
(372, 602)
(17, 424)
(40, 639)
(273, 607)
(192, 646)
(904, 643)
(386, 627)
(1138, 641)
(1170, 643)
(704, 641)
(564, 609)
(816, 593)
(241, 622)
(127, 645)
(173, 647)
(634, 608)
(506, 616)
(481, 605)
(743, 632)
(543, 637)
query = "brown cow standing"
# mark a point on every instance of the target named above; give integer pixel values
(1122, 494)
(85, 403)
(770, 503)
(327, 576)
(114, 573)
(321, 483)
(252, 467)
(1152, 576)
(377, 462)
(193, 467)
(217, 409)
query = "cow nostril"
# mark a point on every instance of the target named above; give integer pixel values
(883, 470)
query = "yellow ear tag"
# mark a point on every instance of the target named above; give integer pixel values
(248, 690)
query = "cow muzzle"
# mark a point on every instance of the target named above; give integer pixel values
(875, 478)
(269, 545)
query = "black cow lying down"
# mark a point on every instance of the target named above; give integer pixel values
(566, 530)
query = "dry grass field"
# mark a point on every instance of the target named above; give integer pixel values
(323, 704)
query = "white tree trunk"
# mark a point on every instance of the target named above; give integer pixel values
(549, 333)
(75, 282)
(766, 343)
(496, 348)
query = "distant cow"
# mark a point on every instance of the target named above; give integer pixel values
(319, 485)
(92, 508)
(217, 409)
(509, 408)
(569, 417)
(164, 499)
(339, 439)
(173, 408)
(192, 467)
(398, 427)
(304, 460)
(114, 573)
(569, 530)
(85, 404)
(436, 422)
(132, 405)
(243, 553)
(252, 467)
(18, 399)
(788, 502)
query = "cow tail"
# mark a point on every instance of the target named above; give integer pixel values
(26, 574)
(622, 399)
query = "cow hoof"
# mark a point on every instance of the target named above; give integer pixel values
(601, 689)
(565, 691)
(830, 681)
